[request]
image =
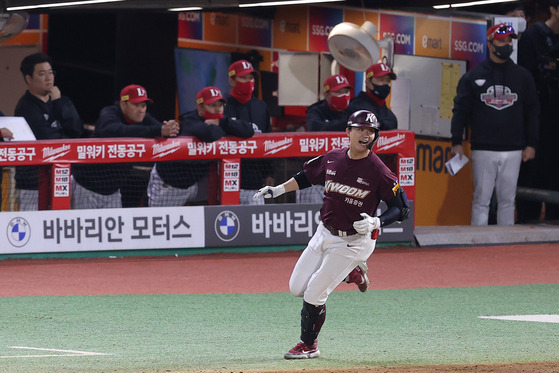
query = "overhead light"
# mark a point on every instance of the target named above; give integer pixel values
(54, 5)
(471, 3)
(187, 9)
(286, 2)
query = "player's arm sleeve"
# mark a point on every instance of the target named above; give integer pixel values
(302, 180)
(110, 124)
(200, 129)
(239, 128)
(531, 114)
(66, 113)
(527, 53)
(398, 209)
(315, 122)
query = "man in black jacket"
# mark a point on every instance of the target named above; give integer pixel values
(538, 51)
(49, 115)
(176, 182)
(497, 99)
(242, 105)
(99, 186)
(377, 82)
(326, 115)
(329, 114)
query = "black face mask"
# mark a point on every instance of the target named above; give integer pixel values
(381, 91)
(503, 52)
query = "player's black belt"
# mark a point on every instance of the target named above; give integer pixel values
(337, 232)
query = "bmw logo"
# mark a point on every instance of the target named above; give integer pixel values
(227, 226)
(18, 232)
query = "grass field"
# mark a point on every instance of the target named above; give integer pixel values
(243, 332)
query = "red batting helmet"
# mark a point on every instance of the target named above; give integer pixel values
(365, 118)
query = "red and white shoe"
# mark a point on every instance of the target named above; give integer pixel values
(359, 276)
(303, 351)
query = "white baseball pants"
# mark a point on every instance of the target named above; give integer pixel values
(497, 170)
(325, 263)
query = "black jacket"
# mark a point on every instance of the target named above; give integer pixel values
(253, 171)
(183, 174)
(538, 51)
(49, 120)
(499, 119)
(108, 178)
(321, 118)
(385, 116)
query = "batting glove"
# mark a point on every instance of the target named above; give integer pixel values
(367, 224)
(270, 192)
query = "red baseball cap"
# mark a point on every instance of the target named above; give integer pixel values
(378, 70)
(336, 82)
(240, 68)
(209, 95)
(135, 94)
(501, 31)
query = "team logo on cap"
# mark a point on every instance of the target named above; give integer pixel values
(214, 92)
(18, 232)
(245, 66)
(499, 97)
(227, 225)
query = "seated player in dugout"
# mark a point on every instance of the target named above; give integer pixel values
(355, 180)
(100, 185)
(329, 114)
(378, 81)
(326, 115)
(243, 105)
(176, 182)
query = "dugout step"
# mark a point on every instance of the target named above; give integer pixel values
(466, 235)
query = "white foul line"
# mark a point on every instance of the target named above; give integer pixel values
(66, 352)
(554, 319)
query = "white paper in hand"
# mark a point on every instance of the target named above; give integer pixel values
(455, 164)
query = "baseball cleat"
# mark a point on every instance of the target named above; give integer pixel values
(359, 276)
(303, 351)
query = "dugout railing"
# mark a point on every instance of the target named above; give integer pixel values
(271, 221)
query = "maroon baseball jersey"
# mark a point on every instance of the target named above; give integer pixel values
(350, 186)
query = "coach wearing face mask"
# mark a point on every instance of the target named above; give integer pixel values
(242, 105)
(329, 114)
(497, 100)
(174, 183)
(377, 82)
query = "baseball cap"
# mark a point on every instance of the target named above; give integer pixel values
(241, 68)
(380, 69)
(501, 31)
(135, 94)
(209, 95)
(336, 82)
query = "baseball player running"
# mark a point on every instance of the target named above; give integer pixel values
(355, 181)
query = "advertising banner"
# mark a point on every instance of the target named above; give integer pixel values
(468, 42)
(101, 229)
(290, 28)
(400, 27)
(190, 25)
(279, 224)
(220, 28)
(359, 16)
(321, 22)
(432, 37)
(169, 228)
(255, 31)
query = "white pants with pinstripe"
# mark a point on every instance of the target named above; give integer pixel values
(499, 170)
